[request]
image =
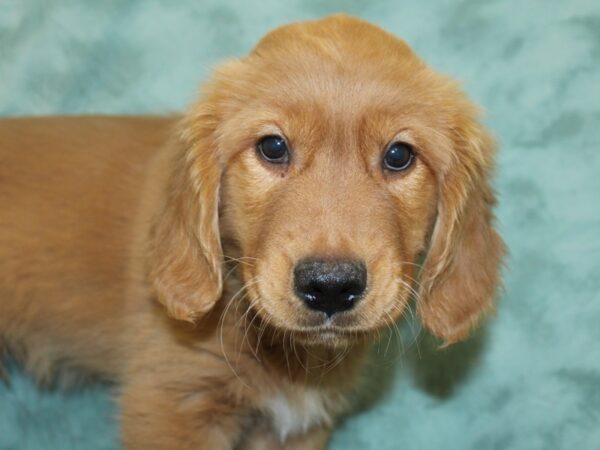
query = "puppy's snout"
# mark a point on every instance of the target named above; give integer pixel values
(330, 286)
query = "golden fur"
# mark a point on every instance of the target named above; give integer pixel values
(101, 216)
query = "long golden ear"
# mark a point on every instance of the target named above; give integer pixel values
(462, 269)
(186, 252)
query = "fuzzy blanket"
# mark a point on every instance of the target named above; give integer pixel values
(531, 379)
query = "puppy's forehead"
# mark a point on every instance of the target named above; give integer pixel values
(335, 55)
(341, 68)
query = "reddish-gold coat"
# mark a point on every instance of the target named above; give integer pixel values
(102, 216)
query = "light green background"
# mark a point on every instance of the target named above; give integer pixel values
(530, 380)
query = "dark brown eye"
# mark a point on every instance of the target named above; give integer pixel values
(399, 156)
(273, 149)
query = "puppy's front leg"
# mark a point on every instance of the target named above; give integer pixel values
(314, 439)
(161, 418)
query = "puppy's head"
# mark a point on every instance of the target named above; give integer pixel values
(351, 177)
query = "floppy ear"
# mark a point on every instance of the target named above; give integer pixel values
(462, 269)
(186, 252)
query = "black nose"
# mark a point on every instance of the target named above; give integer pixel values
(330, 286)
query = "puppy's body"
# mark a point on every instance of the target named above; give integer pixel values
(78, 197)
(280, 223)
(71, 194)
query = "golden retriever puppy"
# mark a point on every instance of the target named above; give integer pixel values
(229, 268)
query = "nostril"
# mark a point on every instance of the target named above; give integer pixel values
(348, 296)
(353, 288)
(315, 289)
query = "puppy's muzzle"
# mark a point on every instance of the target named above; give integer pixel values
(330, 286)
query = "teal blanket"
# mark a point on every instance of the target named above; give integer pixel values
(531, 379)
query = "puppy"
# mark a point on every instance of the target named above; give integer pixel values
(229, 268)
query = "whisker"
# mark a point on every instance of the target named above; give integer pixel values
(412, 290)
(255, 353)
(293, 342)
(286, 354)
(241, 260)
(419, 285)
(338, 359)
(261, 330)
(221, 326)
(390, 334)
(244, 318)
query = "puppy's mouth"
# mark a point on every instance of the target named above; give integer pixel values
(341, 322)
(330, 335)
(317, 328)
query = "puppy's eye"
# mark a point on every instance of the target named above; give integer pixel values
(399, 156)
(273, 149)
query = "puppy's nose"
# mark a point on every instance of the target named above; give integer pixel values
(330, 286)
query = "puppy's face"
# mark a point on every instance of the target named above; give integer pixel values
(331, 196)
(344, 161)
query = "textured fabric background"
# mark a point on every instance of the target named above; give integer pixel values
(531, 379)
